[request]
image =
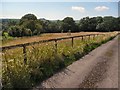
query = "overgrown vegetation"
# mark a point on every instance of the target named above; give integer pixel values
(29, 25)
(43, 60)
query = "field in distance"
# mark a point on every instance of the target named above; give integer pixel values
(47, 36)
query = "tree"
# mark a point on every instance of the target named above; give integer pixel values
(89, 24)
(99, 19)
(26, 32)
(118, 21)
(101, 27)
(69, 24)
(27, 17)
(109, 24)
(30, 22)
(92, 23)
(44, 23)
(84, 24)
(38, 29)
(15, 31)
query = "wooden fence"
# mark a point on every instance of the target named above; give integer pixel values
(44, 41)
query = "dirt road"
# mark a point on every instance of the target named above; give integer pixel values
(98, 69)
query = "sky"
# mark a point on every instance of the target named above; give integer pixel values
(54, 10)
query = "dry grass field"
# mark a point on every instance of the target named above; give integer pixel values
(43, 37)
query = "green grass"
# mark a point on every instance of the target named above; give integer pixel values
(43, 61)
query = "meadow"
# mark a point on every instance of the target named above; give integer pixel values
(43, 60)
(46, 36)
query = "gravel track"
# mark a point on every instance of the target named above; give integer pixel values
(98, 69)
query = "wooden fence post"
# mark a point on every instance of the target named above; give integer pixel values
(85, 38)
(25, 54)
(82, 38)
(56, 46)
(94, 36)
(97, 34)
(89, 37)
(72, 41)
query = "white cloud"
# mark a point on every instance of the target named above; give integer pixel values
(101, 8)
(80, 9)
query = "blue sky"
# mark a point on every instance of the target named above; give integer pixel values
(58, 10)
(59, 0)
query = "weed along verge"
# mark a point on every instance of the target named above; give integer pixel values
(26, 66)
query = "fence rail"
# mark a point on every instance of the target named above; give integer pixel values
(44, 41)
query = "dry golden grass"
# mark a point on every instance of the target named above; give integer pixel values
(44, 37)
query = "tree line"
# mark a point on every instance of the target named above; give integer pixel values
(29, 25)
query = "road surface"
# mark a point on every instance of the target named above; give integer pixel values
(98, 69)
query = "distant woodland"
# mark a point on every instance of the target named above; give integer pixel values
(29, 25)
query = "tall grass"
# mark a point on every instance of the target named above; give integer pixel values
(43, 60)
